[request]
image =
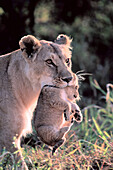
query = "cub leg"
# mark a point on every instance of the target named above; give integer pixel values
(68, 124)
(61, 135)
(50, 135)
(57, 145)
(62, 132)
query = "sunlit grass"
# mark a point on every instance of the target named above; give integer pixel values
(89, 145)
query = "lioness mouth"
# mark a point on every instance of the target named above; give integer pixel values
(51, 86)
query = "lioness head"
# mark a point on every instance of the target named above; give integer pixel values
(49, 62)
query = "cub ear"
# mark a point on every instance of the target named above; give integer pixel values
(29, 45)
(63, 39)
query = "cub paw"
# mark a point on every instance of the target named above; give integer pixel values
(78, 116)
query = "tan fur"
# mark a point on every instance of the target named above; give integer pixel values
(23, 73)
(49, 119)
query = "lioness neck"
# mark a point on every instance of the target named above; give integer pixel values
(23, 89)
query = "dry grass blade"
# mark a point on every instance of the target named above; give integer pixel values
(108, 91)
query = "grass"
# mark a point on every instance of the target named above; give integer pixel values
(89, 145)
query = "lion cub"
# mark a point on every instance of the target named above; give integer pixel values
(55, 113)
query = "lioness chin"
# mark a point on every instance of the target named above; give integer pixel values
(23, 73)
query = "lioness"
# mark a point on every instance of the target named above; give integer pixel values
(49, 119)
(23, 73)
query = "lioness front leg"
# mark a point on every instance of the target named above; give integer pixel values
(19, 157)
(15, 150)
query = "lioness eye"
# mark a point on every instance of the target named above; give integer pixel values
(50, 62)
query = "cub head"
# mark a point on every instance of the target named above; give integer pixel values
(47, 63)
(72, 89)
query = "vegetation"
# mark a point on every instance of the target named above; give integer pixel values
(89, 145)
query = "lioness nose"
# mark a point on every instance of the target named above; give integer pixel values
(67, 79)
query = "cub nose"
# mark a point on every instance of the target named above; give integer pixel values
(75, 96)
(67, 79)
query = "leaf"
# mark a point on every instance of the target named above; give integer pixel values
(97, 86)
(96, 83)
(72, 152)
(99, 130)
(107, 134)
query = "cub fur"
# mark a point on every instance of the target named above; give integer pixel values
(49, 122)
(23, 73)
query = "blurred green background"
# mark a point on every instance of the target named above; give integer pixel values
(89, 23)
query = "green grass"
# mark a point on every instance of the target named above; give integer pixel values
(89, 145)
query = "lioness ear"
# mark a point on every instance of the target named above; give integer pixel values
(29, 45)
(63, 39)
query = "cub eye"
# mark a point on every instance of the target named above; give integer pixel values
(68, 61)
(76, 87)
